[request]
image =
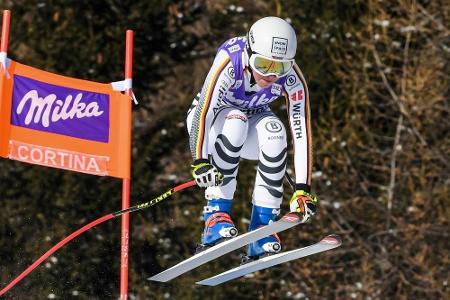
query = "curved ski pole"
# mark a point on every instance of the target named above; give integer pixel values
(289, 179)
(92, 224)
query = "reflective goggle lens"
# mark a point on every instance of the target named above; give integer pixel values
(267, 66)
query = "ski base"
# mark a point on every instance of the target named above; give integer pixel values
(287, 221)
(327, 243)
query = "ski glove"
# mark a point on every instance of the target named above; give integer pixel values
(304, 203)
(205, 174)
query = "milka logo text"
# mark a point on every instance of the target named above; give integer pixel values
(49, 109)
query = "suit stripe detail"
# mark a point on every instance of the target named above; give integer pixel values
(224, 156)
(276, 183)
(276, 158)
(223, 170)
(225, 163)
(226, 142)
(274, 192)
(268, 174)
(271, 170)
(205, 107)
(227, 180)
(307, 123)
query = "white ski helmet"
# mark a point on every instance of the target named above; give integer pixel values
(274, 39)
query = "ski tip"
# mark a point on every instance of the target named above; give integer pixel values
(292, 217)
(332, 239)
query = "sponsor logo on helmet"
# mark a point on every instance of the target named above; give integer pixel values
(252, 38)
(279, 45)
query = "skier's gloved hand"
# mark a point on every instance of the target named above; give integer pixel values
(304, 203)
(205, 174)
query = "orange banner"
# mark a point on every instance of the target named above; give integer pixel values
(63, 122)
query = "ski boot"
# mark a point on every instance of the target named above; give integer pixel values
(266, 246)
(218, 224)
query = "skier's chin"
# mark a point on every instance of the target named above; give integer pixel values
(264, 83)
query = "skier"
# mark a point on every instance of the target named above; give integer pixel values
(230, 119)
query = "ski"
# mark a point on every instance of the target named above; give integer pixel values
(327, 243)
(287, 221)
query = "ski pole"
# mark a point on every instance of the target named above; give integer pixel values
(92, 224)
(289, 179)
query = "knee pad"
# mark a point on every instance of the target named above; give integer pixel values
(235, 127)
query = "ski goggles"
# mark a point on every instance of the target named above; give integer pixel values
(265, 66)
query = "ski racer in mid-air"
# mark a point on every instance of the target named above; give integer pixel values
(230, 119)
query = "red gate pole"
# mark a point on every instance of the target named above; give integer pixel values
(3, 76)
(126, 181)
(5, 30)
(4, 43)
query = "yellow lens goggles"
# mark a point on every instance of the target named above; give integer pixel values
(265, 66)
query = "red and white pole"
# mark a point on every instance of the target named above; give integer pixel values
(5, 30)
(126, 181)
(4, 44)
